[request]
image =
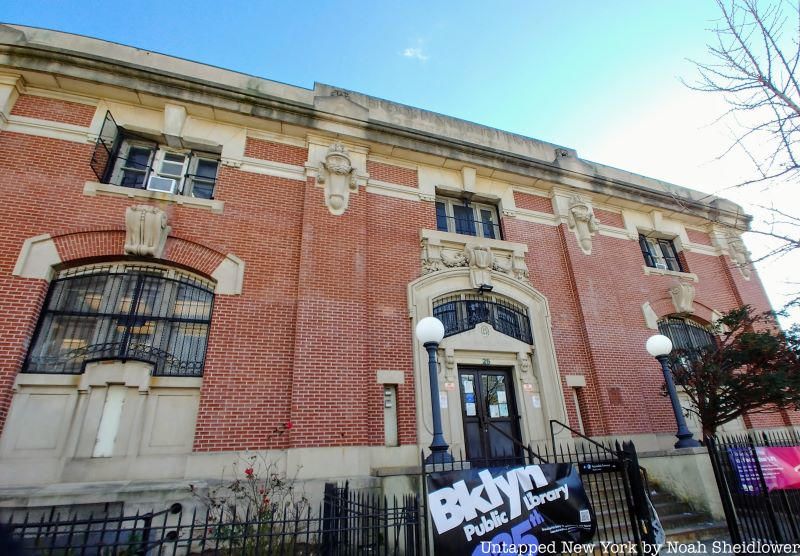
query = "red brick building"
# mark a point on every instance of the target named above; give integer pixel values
(194, 258)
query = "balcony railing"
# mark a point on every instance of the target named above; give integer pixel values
(466, 312)
(467, 226)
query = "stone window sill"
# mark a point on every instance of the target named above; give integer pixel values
(665, 272)
(144, 380)
(93, 188)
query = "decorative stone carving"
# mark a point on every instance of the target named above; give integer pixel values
(452, 260)
(480, 265)
(740, 255)
(524, 362)
(502, 265)
(682, 294)
(443, 250)
(146, 231)
(430, 265)
(449, 363)
(582, 221)
(650, 316)
(338, 176)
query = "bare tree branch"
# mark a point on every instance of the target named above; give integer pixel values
(753, 59)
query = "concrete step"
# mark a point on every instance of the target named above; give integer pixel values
(671, 506)
(702, 531)
(680, 522)
(674, 522)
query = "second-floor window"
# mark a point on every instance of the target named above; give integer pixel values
(130, 160)
(660, 253)
(469, 218)
(148, 166)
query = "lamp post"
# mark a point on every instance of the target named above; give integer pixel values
(659, 347)
(430, 332)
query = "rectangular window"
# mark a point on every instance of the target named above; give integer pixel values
(660, 253)
(201, 183)
(170, 169)
(125, 159)
(135, 165)
(468, 218)
(143, 165)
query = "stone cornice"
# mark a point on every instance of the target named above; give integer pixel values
(353, 115)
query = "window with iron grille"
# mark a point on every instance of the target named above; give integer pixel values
(660, 253)
(689, 338)
(129, 160)
(464, 311)
(123, 312)
(461, 216)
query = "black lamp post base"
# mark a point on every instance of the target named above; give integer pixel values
(439, 457)
(685, 441)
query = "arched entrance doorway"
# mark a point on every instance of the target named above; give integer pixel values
(499, 383)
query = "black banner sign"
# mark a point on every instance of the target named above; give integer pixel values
(502, 510)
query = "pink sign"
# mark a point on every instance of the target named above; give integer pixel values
(780, 466)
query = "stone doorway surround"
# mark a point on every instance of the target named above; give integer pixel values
(534, 369)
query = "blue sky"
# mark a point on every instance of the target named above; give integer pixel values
(548, 70)
(599, 77)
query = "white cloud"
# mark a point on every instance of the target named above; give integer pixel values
(416, 52)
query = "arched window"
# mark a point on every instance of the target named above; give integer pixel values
(123, 311)
(462, 312)
(687, 335)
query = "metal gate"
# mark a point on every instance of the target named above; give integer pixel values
(757, 507)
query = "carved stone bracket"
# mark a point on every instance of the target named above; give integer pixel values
(740, 254)
(338, 176)
(581, 220)
(146, 231)
(524, 362)
(481, 262)
(682, 294)
(449, 364)
(483, 257)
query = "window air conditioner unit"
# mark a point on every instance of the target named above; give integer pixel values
(662, 266)
(157, 183)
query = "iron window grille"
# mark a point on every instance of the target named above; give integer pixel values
(461, 216)
(462, 312)
(123, 312)
(660, 253)
(128, 160)
(689, 339)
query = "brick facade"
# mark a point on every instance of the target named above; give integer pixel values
(392, 174)
(53, 110)
(324, 304)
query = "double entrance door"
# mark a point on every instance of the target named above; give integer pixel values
(489, 413)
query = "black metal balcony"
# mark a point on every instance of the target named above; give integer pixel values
(462, 313)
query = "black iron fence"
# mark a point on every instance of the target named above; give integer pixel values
(749, 472)
(363, 523)
(345, 523)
